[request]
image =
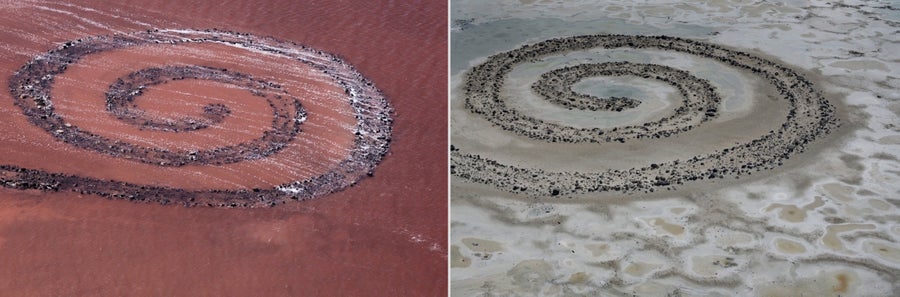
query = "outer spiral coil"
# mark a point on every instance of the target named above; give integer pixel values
(810, 116)
(31, 86)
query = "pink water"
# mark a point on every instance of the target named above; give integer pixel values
(385, 236)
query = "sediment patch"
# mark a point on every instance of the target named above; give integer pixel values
(31, 91)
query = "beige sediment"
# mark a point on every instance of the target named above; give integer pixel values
(457, 260)
(789, 246)
(640, 268)
(482, 245)
(672, 229)
(884, 250)
(598, 250)
(832, 239)
(788, 212)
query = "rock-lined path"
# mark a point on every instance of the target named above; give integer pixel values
(31, 89)
(700, 103)
(810, 116)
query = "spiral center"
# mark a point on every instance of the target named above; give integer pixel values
(122, 94)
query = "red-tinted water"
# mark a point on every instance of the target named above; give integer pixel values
(385, 236)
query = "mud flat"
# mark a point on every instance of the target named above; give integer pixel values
(820, 222)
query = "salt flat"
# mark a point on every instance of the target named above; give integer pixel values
(823, 223)
(59, 236)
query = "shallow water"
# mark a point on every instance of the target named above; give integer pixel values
(386, 234)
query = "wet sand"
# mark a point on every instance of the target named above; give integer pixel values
(384, 235)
